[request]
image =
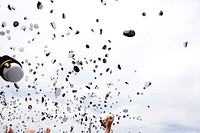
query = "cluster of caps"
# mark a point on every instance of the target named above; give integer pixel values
(77, 107)
(16, 24)
(3, 33)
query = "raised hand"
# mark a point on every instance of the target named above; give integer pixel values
(9, 130)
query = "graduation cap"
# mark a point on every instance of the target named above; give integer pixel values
(103, 123)
(129, 33)
(10, 69)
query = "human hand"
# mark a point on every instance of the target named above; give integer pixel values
(108, 121)
(9, 130)
(47, 130)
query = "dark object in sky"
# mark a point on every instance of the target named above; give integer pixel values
(39, 5)
(63, 16)
(53, 25)
(15, 23)
(42, 99)
(101, 30)
(147, 84)
(76, 69)
(160, 13)
(119, 67)
(47, 54)
(77, 32)
(53, 61)
(143, 14)
(126, 83)
(103, 123)
(9, 7)
(29, 106)
(43, 118)
(87, 87)
(185, 44)
(16, 85)
(70, 28)
(104, 47)
(104, 60)
(87, 46)
(129, 33)
(25, 18)
(74, 91)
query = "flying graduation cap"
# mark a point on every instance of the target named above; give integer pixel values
(10, 69)
(129, 33)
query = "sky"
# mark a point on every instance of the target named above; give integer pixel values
(148, 82)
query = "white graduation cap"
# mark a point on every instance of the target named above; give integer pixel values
(10, 69)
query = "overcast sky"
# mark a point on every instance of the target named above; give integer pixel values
(51, 37)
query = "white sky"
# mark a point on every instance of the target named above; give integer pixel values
(155, 54)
